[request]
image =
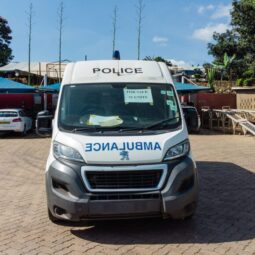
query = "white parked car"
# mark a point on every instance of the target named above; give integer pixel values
(14, 120)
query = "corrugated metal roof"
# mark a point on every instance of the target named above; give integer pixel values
(243, 88)
(23, 66)
(38, 68)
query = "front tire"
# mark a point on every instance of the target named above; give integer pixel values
(190, 217)
(24, 132)
(187, 213)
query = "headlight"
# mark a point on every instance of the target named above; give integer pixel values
(178, 150)
(66, 152)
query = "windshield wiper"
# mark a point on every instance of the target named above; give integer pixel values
(95, 129)
(159, 123)
(84, 129)
(122, 129)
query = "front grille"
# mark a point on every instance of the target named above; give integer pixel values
(115, 180)
(125, 196)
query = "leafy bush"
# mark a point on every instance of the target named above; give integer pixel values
(249, 82)
(197, 76)
(248, 74)
(239, 82)
(211, 77)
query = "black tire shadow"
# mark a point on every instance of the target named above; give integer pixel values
(226, 213)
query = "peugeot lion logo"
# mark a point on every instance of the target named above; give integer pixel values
(124, 155)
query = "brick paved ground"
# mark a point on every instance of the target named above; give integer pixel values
(224, 223)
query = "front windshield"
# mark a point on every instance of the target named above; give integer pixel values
(118, 106)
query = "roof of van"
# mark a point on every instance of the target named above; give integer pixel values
(105, 71)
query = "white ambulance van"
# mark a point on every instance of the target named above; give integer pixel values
(120, 147)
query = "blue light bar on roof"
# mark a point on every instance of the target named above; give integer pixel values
(116, 55)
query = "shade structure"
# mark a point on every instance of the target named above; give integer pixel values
(180, 87)
(51, 88)
(9, 86)
(183, 88)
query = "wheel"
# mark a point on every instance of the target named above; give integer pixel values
(24, 132)
(192, 210)
(187, 213)
(52, 218)
(189, 217)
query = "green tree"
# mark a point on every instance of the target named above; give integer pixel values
(229, 43)
(240, 40)
(158, 59)
(243, 23)
(5, 40)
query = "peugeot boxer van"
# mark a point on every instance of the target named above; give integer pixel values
(120, 146)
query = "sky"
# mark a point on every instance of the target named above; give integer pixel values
(177, 30)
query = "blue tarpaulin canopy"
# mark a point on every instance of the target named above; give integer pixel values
(9, 86)
(51, 88)
(189, 88)
(180, 87)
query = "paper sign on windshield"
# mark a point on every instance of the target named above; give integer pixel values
(104, 121)
(172, 105)
(138, 96)
(170, 93)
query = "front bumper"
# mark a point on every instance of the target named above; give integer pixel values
(68, 198)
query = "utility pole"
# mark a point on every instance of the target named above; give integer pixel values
(30, 18)
(60, 15)
(140, 9)
(114, 24)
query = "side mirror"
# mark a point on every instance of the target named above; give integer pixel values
(44, 123)
(192, 121)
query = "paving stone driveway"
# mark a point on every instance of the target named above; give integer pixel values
(224, 223)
